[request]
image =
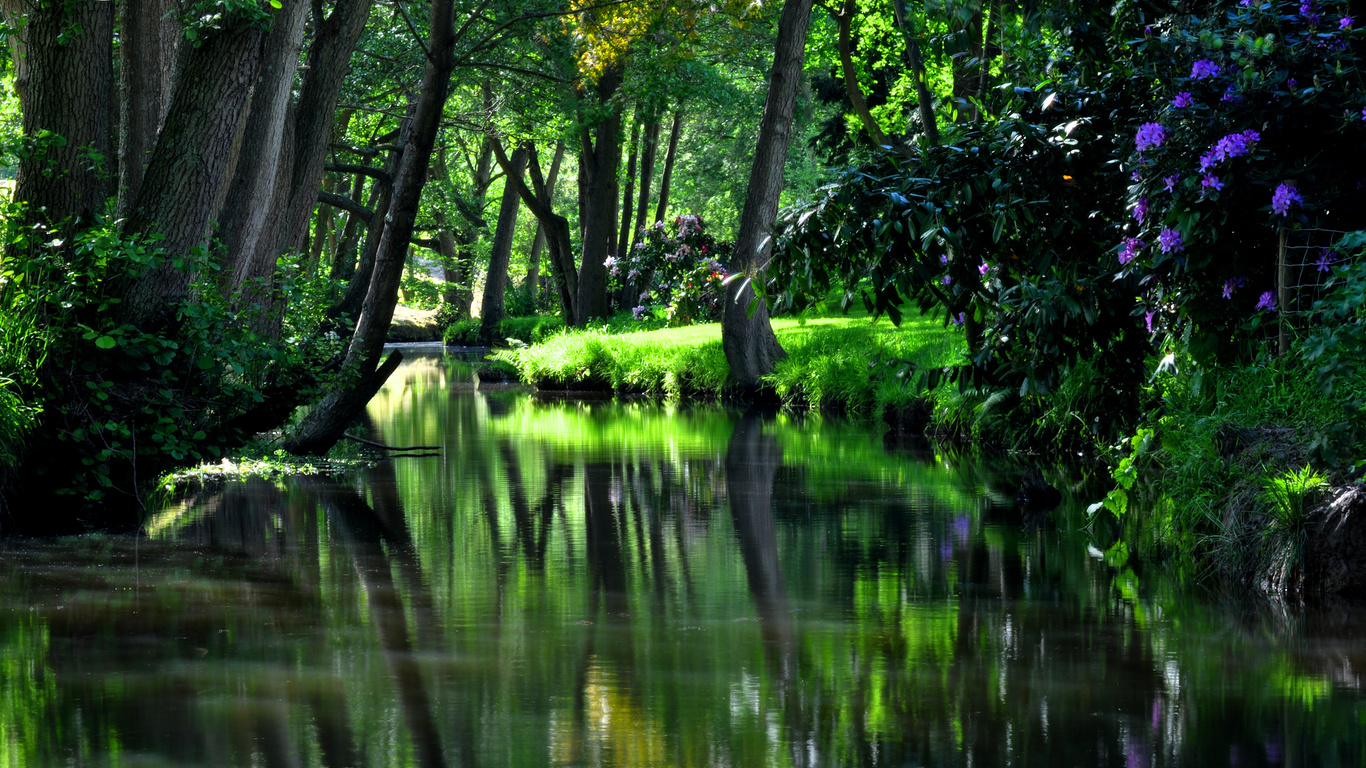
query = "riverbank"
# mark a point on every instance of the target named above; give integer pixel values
(846, 365)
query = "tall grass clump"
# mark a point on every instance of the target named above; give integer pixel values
(23, 346)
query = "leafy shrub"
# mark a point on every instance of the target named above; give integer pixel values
(676, 274)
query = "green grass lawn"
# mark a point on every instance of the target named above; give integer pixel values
(830, 361)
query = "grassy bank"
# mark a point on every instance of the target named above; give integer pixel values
(846, 364)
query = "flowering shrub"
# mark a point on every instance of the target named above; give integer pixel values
(674, 272)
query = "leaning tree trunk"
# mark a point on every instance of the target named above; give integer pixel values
(190, 165)
(669, 157)
(492, 310)
(599, 161)
(362, 374)
(537, 199)
(746, 334)
(533, 269)
(64, 83)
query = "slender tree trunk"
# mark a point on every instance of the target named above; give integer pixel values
(324, 425)
(492, 311)
(669, 157)
(64, 82)
(843, 20)
(533, 271)
(190, 165)
(537, 199)
(251, 196)
(143, 97)
(599, 160)
(966, 74)
(328, 64)
(924, 99)
(359, 286)
(647, 172)
(746, 334)
(628, 195)
(344, 263)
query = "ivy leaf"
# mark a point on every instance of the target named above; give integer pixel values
(106, 342)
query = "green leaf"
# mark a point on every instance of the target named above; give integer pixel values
(276, 4)
(106, 342)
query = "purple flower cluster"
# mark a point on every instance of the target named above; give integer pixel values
(1232, 145)
(1326, 260)
(1150, 136)
(1132, 246)
(1169, 240)
(1210, 183)
(1141, 210)
(1267, 302)
(1183, 100)
(983, 268)
(1148, 319)
(1170, 181)
(1285, 196)
(1231, 96)
(1205, 68)
(1345, 23)
(1232, 284)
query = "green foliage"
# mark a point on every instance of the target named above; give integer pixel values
(420, 291)
(1289, 494)
(1336, 342)
(532, 329)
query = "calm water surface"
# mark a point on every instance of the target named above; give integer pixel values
(576, 583)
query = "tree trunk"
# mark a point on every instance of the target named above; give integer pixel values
(328, 64)
(628, 196)
(669, 157)
(190, 165)
(359, 286)
(251, 196)
(599, 158)
(324, 425)
(492, 310)
(924, 98)
(533, 271)
(537, 200)
(344, 262)
(143, 97)
(966, 72)
(746, 335)
(64, 82)
(647, 172)
(844, 19)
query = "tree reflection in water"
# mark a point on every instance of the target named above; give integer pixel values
(563, 586)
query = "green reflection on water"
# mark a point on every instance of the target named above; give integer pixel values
(592, 583)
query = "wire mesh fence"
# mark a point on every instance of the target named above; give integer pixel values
(1305, 263)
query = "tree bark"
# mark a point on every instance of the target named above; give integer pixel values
(252, 193)
(537, 200)
(747, 336)
(328, 63)
(324, 425)
(647, 172)
(64, 83)
(356, 290)
(492, 311)
(533, 270)
(851, 87)
(144, 96)
(924, 99)
(669, 157)
(190, 165)
(966, 70)
(628, 196)
(599, 159)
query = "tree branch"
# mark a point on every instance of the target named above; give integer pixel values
(347, 204)
(379, 174)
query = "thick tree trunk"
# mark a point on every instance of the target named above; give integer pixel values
(537, 200)
(533, 270)
(64, 83)
(144, 94)
(328, 64)
(599, 160)
(664, 182)
(746, 335)
(647, 172)
(324, 425)
(190, 165)
(628, 196)
(492, 311)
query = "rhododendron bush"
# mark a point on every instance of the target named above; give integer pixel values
(673, 273)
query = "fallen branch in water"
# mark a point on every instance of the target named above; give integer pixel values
(374, 444)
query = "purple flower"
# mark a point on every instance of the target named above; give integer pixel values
(1267, 302)
(1231, 96)
(1210, 183)
(633, 274)
(1326, 259)
(1204, 68)
(1345, 23)
(639, 312)
(1183, 100)
(1363, 114)
(944, 259)
(1132, 246)
(1141, 210)
(1170, 181)
(1292, 83)
(958, 318)
(1285, 196)
(1208, 160)
(1148, 320)
(983, 268)
(946, 280)
(1169, 240)
(644, 297)
(1150, 136)
(1232, 284)
(1135, 177)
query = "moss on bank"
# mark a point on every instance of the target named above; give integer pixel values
(842, 364)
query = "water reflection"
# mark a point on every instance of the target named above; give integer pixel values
(577, 584)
